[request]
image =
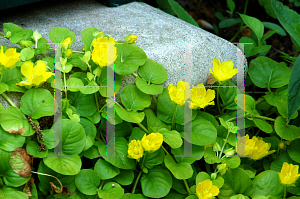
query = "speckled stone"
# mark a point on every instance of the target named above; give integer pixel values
(163, 37)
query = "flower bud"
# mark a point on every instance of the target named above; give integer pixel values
(90, 76)
(83, 49)
(281, 145)
(229, 152)
(63, 61)
(36, 36)
(145, 170)
(25, 44)
(8, 34)
(97, 71)
(216, 147)
(213, 176)
(66, 43)
(69, 53)
(130, 38)
(222, 168)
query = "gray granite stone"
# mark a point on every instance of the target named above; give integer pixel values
(166, 39)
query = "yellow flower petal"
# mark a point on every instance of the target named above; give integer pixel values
(27, 69)
(40, 68)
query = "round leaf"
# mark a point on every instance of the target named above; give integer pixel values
(9, 142)
(12, 179)
(105, 170)
(91, 88)
(33, 149)
(263, 125)
(287, 132)
(267, 183)
(155, 158)
(153, 72)
(125, 177)
(111, 190)
(201, 176)
(130, 57)
(73, 137)
(172, 138)
(91, 132)
(73, 84)
(150, 89)
(88, 37)
(85, 104)
(267, 73)
(179, 170)
(4, 163)
(294, 150)
(185, 156)
(11, 193)
(87, 181)
(134, 99)
(58, 34)
(37, 103)
(133, 117)
(26, 54)
(156, 183)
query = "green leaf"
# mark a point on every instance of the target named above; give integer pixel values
(156, 183)
(186, 156)
(283, 110)
(248, 169)
(106, 170)
(155, 158)
(225, 23)
(11, 77)
(130, 57)
(77, 62)
(88, 37)
(12, 179)
(37, 103)
(87, 181)
(17, 33)
(203, 132)
(181, 170)
(294, 90)
(85, 104)
(121, 159)
(172, 138)
(125, 177)
(274, 26)
(287, 132)
(58, 34)
(249, 44)
(267, 73)
(237, 181)
(72, 82)
(66, 165)
(293, 150)
(254, 24)
(102, 81)
(266, 183)
(153, 123)
(277, 164)
(91, 153)
(219, 182)
(133, 117)
(133, 196)
(268, 7)
(227, 95)
(33, 149)
(26, 54)
(201, 176)
(9, 142)
(90, 88)
(3, 87)
(231, 5)
(263, 125)
(4, 163)
(14, 121)
(232, 162)
(111, 191)
(137, 134)
(134, 99)
(248, 101)
(49, 61)
(11, 193)
(181, 13)
(91, 132)
(153, 72)
(287, 17)
(210, 156)
(150, 89)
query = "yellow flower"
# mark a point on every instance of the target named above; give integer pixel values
(257, 147)
(201, 97)
(100, 55)
(66, 43)
(130, 38)
(223, 71)
(9, 58)
(206, 190)
(152, 142)
(281, 145)
(135, 149)
(177, 94)
(289, 174)
(35, 75)
(69, 53)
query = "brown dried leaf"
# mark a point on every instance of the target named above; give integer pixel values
(211, 80)
(28, 187)
(66, 190)
(21, 162)
(55, 189)
(19, 131)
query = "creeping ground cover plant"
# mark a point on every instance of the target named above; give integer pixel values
(156, 152)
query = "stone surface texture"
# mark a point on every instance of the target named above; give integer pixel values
(166, 39)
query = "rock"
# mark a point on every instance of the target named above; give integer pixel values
(166, 39)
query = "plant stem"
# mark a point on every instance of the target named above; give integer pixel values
(224, 144)
(8, 100)
(143, 128)
(284, 191)
(154, 99)
(260, 100)
(241, 25)
(101, 184)
(2, 34)
(218, 102)
(134, 74)
(1, 73)
(187, 187)
(50, 176)
(136, 181)
(266, 118)
(173, 118)
(65, 81)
